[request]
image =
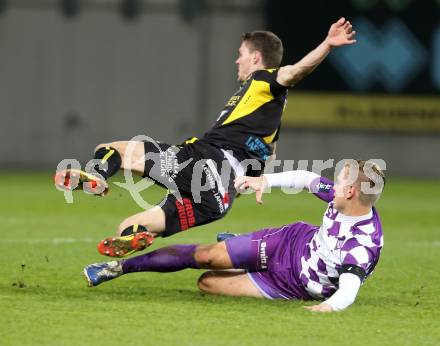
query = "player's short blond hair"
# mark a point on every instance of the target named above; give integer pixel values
(370, 180)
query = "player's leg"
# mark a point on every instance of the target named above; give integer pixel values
(178, 257)
(135, 233)
(138, 232)
(129, 155)
(179, 210)
(213, 282)
(236, 253)
(110, 158)
(262, 254)
(152, 219)
(213, 256)
(174, 215)
(236, 284)
(167, 259)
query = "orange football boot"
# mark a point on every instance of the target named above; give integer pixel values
(125, 245)
(74, 179)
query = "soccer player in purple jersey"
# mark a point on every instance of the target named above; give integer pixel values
(297, 261)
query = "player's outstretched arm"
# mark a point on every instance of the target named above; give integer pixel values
(349, 285)
(340, 34)
(291, 179)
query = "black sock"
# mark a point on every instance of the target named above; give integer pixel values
(113, 159)
(133, 229)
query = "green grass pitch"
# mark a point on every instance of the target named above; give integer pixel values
(46, 242)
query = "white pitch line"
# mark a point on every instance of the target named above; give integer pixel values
(54, 241)
(425, 243)
(59, 241)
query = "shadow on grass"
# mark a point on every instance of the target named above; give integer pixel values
(139, 293)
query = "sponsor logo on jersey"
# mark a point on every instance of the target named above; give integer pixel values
(185, 212)
(169, 165)
(263, 256)
(324, 187)
(216, 185)
(233, 101)
(259, 147)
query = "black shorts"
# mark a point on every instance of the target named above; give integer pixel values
(200, 181)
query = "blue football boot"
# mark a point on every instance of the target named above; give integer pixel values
(225, 235)
(98, 273)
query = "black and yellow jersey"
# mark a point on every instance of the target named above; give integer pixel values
(250, 121)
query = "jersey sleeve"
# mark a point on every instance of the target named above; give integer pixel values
(349, 285)
(355, 252)
(270, 76)
(322, 188)
(319, 186)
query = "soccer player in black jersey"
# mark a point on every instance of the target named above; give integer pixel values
(200, 173)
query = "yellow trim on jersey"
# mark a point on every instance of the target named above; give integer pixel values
(257, 95)
(269, 139)
(107, 156)
(191, 140)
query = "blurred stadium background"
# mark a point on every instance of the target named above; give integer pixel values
(74, 73)
(79, 72)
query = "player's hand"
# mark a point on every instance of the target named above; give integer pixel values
(323, 307)
(341, 33)
(258, 184)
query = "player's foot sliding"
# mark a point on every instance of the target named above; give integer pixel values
(164, 260)
(134, 238)
(98, 273)
(108, 163)
(225, 235)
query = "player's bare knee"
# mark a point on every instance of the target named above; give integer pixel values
(204, 256)
(205, 282)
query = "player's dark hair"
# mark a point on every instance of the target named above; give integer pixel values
(268, 44)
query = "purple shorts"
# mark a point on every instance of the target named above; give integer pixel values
(272, 257)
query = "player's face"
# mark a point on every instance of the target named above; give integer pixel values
(244, 62)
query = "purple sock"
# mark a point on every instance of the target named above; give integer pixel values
(168, 259)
